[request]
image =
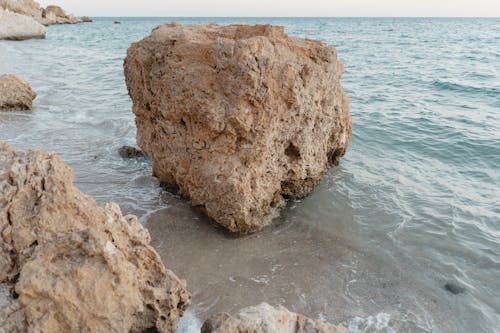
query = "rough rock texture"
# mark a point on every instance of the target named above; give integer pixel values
(75, 266)
(19, 27)
(47, 16)
(267, 319)
(237, 116)
(12, 318)
(15, 93)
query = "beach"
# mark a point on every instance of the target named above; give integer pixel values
(412, 207)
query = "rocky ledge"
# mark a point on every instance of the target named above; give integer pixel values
(238, 117)
(19, 27)
(267, 319)
(69, 265)
(15, 93)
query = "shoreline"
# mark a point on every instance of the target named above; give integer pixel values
(49, 108)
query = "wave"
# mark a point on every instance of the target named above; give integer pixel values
(459, 87)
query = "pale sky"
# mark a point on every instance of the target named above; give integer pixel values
(482, 8)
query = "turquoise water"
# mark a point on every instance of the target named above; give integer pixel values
(414, 204)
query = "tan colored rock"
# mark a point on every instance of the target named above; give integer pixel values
(267, 319)
(19, 27)
(55, 10)
(78, 267)
(57, 15)
(237, 116)
(15, 93)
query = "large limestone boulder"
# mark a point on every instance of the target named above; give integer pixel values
(237, 116)
(19, 27)
(267, 319)
(71, 265)
(15, 93)
(23, 7)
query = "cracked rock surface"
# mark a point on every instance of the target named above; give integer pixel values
(238, 117)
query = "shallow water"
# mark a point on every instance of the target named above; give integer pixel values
(413, 205)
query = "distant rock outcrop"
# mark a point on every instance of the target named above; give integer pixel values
(69, 265)
(238, 116)
(57, 15)
(47, 16)
(19, 27)
(15, 93)
(267, 319)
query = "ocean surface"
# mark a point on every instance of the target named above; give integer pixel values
(402, 236)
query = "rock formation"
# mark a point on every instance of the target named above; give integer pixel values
(267, 319)
(47, 16)
(56, 15)
(237, 116)
(15, 93)
(69, 265)
(23, 7)
(19, 27)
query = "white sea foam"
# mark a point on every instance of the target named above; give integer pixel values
(371, 324)
(189, 323)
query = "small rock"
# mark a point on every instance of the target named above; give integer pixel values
(454, 288)
(117, 22)
(267, 319)
(15, 93)
(130, 152)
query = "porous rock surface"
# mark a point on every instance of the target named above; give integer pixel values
(267, 319)
(69, 265)
(15, 93)
(19, 27)
(237, 116)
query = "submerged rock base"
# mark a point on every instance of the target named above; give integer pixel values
(237, 116)
(68, 265)
(267, 319)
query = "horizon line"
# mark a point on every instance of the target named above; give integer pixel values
(183, 16)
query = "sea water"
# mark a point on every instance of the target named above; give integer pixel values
(409, 218)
